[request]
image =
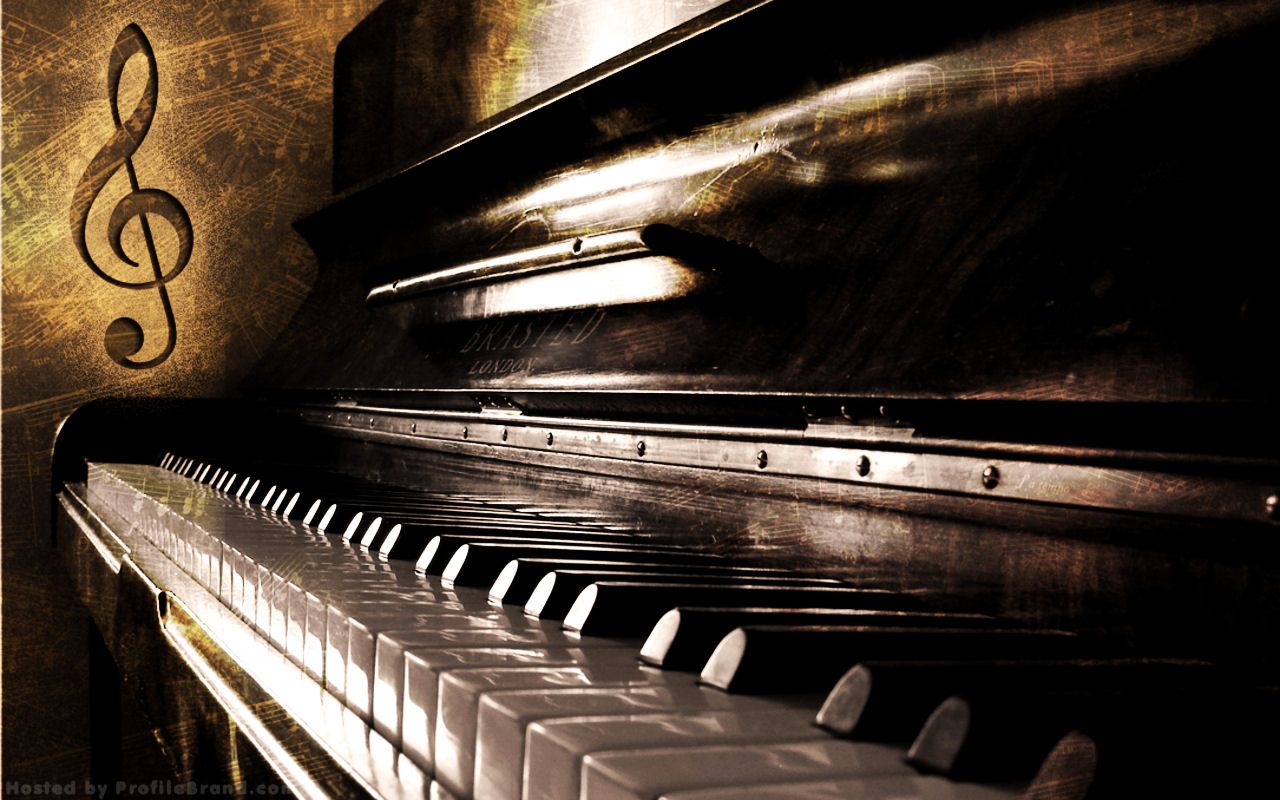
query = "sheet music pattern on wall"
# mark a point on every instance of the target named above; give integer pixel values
(242, 136)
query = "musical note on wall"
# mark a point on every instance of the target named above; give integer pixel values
(124, 336)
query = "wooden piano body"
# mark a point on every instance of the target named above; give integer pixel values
(969, 303)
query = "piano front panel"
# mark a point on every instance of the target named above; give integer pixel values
(1019, 210)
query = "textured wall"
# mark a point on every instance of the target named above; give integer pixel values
(241, 136)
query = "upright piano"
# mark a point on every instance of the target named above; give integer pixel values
(812, 401)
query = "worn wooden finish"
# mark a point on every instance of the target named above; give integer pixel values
(1041, 204)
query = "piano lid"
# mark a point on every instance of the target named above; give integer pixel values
(896, 202)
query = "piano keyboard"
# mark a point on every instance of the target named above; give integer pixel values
(516, 651)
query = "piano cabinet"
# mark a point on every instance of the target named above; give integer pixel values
(799, 402)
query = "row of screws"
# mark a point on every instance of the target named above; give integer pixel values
(861, 465)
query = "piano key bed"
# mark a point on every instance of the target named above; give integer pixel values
(449, 645)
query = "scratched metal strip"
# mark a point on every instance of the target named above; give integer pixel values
(1111, 485)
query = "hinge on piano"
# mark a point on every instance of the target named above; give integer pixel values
(856, 425)
(497, 404)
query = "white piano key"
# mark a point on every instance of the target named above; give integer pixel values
(438, 792)
(364, 633)
(406, 695)
(461, 690)
(317, 623)
(648, 774)
(897, 787)
(338, 629)
(558, 746)
(504, 717)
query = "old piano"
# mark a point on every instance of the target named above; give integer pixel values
(808, 401)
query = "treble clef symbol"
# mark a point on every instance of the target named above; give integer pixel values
(124, 336)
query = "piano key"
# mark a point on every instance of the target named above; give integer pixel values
(648, 774)
(345, 518)
(504, 717)
(967, 742)
(566, 584)
(252, 491)
(559, 589)
(476, 564)
(557, 746)
(769, 658)
(616, 608)
(897, 787)
(460, 692)
(438, 792)
(684, 638)
(367, 633)
(440, 549)
(368, 620)
(518, 577)
(406, 697)
(309, 616)
(365, 618)
(1070, 772)
(894, 698)
(383, 634)
(473, 520)
(1003, 732)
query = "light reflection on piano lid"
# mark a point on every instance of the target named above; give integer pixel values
(652, 264)
(650, 279)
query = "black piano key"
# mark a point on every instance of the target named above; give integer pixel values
(619, 608)
(345, 520)
(497, 530)
(476, 563)
(411, 512)
(1069, 771)
(890, 700)
(965, 743)
(1007, 739)
(518, 577)
(512, 573)
(1211, 747)
(763, 659)
(300, 504)
(440, 548)
(559, 589)
(349, 490)
(684, 638)
(1177, 712)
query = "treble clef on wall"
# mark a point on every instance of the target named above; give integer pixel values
(124, 337)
